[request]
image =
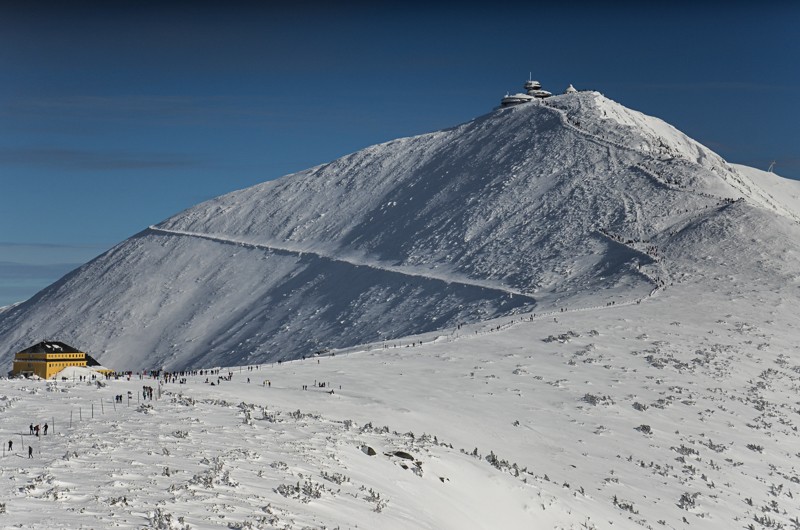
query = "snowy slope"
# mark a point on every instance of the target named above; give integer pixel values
(679, 412)
(531, 208)
(641, 371)
(782, 190)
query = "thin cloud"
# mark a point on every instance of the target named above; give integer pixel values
(48, 254)
(63, 112)
(81, 160)
(26, 271)
(12, 244)
(165, 110)
(49, 246)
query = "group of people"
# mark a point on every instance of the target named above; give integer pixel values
(221, 378)
(34, 429)
(321, 384)
(11, 448)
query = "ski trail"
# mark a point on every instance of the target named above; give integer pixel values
(501, 290)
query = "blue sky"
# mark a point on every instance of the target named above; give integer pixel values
(116, 115)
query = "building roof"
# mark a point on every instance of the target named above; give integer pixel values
(50, 346)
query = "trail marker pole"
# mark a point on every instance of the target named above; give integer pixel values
(80, 413)
(92, 410)
(70, 419)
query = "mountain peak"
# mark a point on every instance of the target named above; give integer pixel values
(554, 203)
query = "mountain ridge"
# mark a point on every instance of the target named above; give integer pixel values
(528, 208)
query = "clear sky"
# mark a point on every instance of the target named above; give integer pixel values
(116, 115)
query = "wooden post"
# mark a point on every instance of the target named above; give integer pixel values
(102, 409)
(80, 413)
(92, 410)
(70, 419)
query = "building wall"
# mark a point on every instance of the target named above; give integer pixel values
(46, 365)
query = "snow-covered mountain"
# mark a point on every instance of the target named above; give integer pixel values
(641, 372)
(575, 202)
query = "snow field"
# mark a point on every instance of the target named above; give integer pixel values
(638, 415)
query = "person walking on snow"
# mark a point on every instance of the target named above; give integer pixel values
(30, 451)
(10, 445)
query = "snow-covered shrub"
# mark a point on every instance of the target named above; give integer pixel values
(597, 400)
(374, 496)
(303, 492)
(336, 478)
(281, 466)
(688, 501)
(644, 429)
(162, 520)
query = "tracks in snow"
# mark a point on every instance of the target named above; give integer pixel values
(351, 260)
(733, 179)
(502, 291)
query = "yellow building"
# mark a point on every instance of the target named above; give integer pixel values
(47, 359)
